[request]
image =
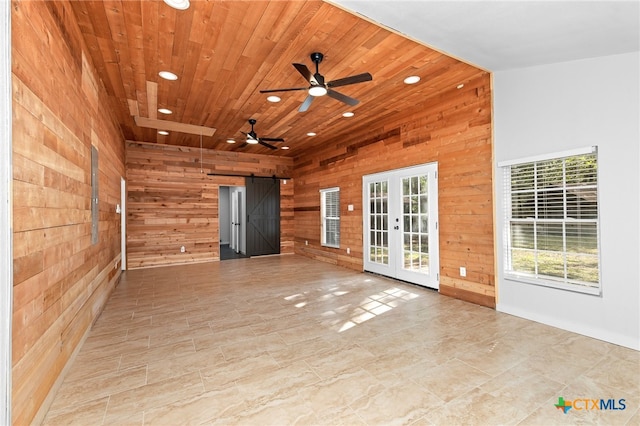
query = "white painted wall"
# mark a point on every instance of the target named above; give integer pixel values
(551, 108)
(6, 221)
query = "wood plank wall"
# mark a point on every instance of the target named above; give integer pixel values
(172, 202)
(453, 129)
(61, 281)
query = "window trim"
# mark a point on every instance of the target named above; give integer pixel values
(553, 156)
(323, 217)
(543, 281)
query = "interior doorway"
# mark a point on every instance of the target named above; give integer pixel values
(232, 223)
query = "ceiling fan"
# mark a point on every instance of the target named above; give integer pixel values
(253, 139)
(318, 86)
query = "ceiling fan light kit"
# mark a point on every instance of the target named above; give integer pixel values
(317, 91)
(178, 4)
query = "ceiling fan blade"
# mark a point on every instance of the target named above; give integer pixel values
(284, 90)
(302, 69)
(342, 98)
(305, 105)
(266, 144)
(272, 139)
(360, 78)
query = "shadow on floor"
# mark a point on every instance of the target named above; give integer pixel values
(227, 253)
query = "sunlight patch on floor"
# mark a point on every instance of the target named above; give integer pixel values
(377, 304)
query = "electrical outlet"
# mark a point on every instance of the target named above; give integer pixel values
(182, 249)
(306, 242)
(463, 271)
(348, 250)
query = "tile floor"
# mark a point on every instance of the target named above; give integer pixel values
(286, 340)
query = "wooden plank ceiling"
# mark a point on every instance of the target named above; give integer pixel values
(225, 52)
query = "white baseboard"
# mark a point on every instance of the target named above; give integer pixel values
(605, 335)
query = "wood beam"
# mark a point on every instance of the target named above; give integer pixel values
(174, 126)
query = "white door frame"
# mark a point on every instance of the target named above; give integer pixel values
(235, 223)
(242, 218)
(390, 226)
(6, 211)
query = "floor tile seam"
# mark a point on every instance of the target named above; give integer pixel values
(151, 349)
(57, 413)
(546, 404)
(106, 408)
(70, 407)
(607, 357)
(474, 389)
(599, 384)
(76, 402)
(426, 389)
(429, 410)
(116, 374)
(90, 376)
(95, 355)
(491, 376)
(157, 314)
(156, 404)
(157, 341)
(492, 361)
(232, 359)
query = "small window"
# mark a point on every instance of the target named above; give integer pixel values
(330, 210)
(552, 226)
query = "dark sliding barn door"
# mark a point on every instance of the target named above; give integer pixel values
(263, 216)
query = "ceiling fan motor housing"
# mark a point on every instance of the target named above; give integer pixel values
(317, 57)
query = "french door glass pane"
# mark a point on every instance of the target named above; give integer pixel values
(415, 219)
(379, 212)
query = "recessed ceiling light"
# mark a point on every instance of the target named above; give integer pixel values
(348, 114)
(165, 111)
(311, 134)
(168, 75)
(273, 98)
(178, 4)
(231, 140)
(163, 132)
(284, 147)
(460, 86)
(412, 79)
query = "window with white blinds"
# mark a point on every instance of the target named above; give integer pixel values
(330, 211)
(552, 235)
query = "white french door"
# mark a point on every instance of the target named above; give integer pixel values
(401, 224)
